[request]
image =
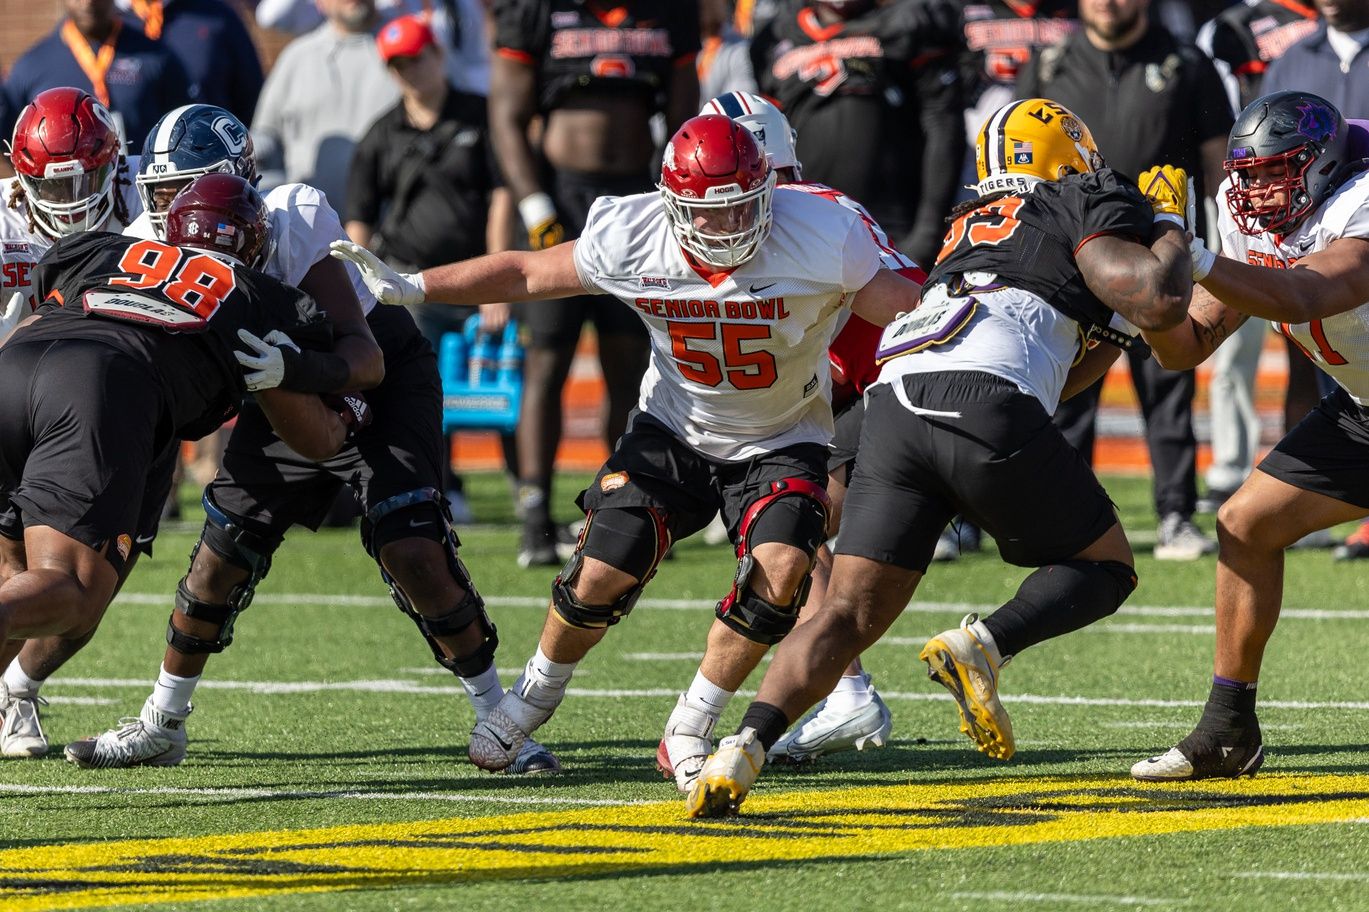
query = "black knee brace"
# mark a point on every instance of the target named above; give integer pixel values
(1060, 598)
(632, 540)
(238, 547)
(795, 512)
(376, 533)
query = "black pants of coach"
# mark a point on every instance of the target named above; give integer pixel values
(1167, 406)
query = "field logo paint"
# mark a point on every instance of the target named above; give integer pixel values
(789, 826)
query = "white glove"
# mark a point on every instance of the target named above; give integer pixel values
(267, 366)
(389, 286)
(14, 313)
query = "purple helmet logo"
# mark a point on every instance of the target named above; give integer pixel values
(1316, 122)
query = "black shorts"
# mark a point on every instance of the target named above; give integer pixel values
(1327, 452)
(1002, 464)
(85, 444)
(556, 324)
(651, 467)
(846, 440)
(268, 487)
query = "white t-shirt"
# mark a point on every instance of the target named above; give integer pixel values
(302, 227)
(739, 359)
(1338, 345)
(21, 248)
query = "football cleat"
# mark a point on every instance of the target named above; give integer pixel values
(827, 731)
(1206, 755)
(497, 739)
(958, 661)
(1178, 539)
(686, 744)
(154, 738)
(726, 777)
(534, 760)
(21, 731)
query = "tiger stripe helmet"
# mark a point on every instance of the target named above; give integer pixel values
(1032, 140)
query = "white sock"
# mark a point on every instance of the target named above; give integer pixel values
(543, 682)
(171, 694)
(851, 693)
(981, 633)
(705, 695)
(484, 691)
(19, 684)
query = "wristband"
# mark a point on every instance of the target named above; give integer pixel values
(1203, 259)
(536, 208)
(1170, 217)
(313, 372)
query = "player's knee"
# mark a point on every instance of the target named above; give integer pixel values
(1243, 523)
(419, 567)
(617, 556)
(1095, 589)
(211, 577)
(780, 570)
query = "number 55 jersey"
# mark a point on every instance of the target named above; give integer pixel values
(177, 310)
(738, 357)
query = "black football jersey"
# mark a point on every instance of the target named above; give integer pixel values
(1247, 37)
(177, 309)
(1029, 240)
(1001, 35)
(632, 46)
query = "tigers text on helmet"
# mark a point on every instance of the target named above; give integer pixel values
(766, 122)
(1287, 153)
(187, 142)
(1028, 141)
(717, 187)
(66, 154)
(221, 213)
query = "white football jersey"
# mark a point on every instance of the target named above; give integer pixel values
(1338, 345)
(889, 257)
(302, 227)
(738, 359)
(21, 248)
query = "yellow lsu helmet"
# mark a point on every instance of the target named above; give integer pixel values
(1033, 140)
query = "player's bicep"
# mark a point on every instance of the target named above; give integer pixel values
(306, 425)
(1336, 279)
(1121, 273)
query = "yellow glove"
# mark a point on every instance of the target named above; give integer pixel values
(1166, 188)
(539, 216)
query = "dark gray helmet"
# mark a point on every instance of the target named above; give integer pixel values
(1287, 153)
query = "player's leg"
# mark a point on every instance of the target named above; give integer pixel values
(552, 336)
(852, 716)
(779, 507)
(652, 489)
(1312, 480)
(624, 350)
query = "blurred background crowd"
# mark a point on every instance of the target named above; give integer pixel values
(444, 129)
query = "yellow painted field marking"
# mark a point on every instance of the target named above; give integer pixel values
(789, 826)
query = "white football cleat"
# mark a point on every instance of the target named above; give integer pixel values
(21, 731)
(497, 739)
(960, 662)
(828, 731)
(154, 738)
(686, 744)
(534, 760)
(726, 778)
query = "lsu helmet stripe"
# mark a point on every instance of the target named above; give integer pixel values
(997, 134)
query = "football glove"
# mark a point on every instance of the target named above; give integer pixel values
(13, 315)
(539, 216)
(389, 286)
(265, 364)
(1168, 190)
(352, 408)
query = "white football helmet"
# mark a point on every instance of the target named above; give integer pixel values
(766, 122)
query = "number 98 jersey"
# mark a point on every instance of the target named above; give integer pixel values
(1029, 240)
(177, 309)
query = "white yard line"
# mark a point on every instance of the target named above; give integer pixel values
(1089, 899)
(236, 794)
(1305, 875)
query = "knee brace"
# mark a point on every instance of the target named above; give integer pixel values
(795, 512)
(238, 547)
(632, 540)
(1058, 599)
(375, 534)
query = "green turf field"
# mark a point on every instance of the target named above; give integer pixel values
(327, 766)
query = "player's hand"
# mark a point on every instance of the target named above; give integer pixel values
(389, 286)
(494, 317)
(1169, 192)
(539, 216)
(266, 364)
(352, 408)
(14, 313)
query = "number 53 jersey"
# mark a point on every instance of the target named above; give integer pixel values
(738, 357)
(1338, 345)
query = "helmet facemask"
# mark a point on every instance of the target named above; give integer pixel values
(158, 190)
(68, 199)
(727, 226)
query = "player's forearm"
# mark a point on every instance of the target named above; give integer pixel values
(355, 363)
(303, 422)
(1094, 365)
(513, 275)
(1193, 341)
(1297, 295)
(512, 104)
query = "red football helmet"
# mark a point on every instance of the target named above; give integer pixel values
(717, 185)
(66, 153)
(221, 213)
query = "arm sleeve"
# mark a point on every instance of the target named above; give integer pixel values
(521, 29)
(363, 180)
(859, 255)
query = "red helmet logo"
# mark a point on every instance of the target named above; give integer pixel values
(717, 185)
(65, 153)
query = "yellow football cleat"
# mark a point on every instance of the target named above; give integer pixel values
(726, 777)
(960, 662)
